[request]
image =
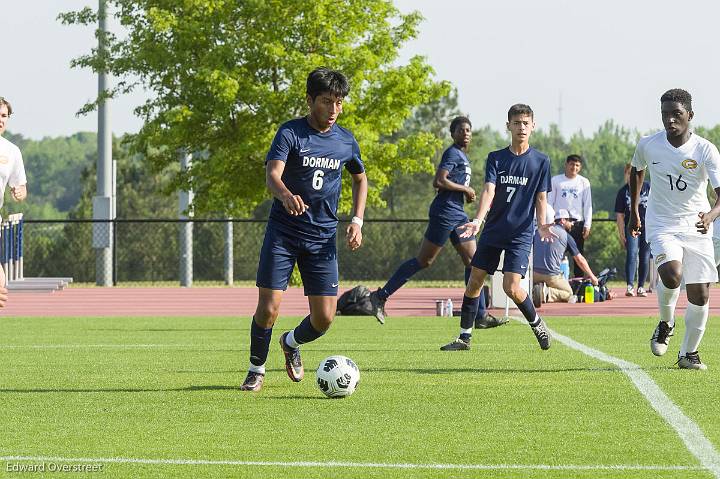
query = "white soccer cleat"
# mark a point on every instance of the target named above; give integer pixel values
(661, 338)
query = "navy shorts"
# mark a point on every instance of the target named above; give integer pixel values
(439, 229)
(488, 257)
(316, 260)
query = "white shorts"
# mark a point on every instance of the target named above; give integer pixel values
(696, 253)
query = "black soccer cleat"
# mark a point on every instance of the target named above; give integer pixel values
(293, 361)
(690, 361)
(456, 345)
(253, 382)
(378, 306)
(489, 321)
(542, 335)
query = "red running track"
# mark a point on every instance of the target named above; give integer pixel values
(241, 302)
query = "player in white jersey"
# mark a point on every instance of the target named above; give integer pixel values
(677, 220)
(12, 172)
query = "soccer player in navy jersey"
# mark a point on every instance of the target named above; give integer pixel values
(303, 173)
(517, 179)
(452, 180)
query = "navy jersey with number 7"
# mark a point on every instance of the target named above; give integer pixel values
(517, 179)
(313, 170)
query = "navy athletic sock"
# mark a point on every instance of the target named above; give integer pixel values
(401, 276)
(528, 310)
(305, 332)
(482, 304)
(259, 343)
(468, 312)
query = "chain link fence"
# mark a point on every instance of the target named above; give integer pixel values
(148, 252)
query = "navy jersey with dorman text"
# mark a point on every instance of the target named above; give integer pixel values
(518, 179)
(449, 204)
(313, 170)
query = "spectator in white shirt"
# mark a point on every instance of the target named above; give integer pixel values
(571, 192)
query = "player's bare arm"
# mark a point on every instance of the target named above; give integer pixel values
(19, 193)
(546, 234)
(359, 194)
(442, 182)
(293, 204)
(486, 198)
(707, 218)
(636, 181)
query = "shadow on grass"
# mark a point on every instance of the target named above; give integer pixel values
(123, 390)
(161, 330)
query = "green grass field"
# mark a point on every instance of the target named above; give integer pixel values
(167, 389)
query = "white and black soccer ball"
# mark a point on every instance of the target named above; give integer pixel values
(337, 376)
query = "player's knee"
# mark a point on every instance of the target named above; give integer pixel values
(698, 296)
(266, 314)
(513, 291)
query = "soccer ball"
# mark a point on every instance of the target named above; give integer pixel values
(337, 376)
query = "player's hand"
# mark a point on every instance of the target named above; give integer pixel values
(586, 233)
(706, 220)
(3, 296)
(594, 280)
(546, 233)
(468, 229)
(354, 236)
(294, 204)
(634, 225)
(469, 194)
(19, 193)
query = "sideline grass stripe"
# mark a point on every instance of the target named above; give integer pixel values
(95, 346)
(366, 465)
(690, 433)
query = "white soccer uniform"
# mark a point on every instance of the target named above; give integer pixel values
(12, 169)
(679, 178)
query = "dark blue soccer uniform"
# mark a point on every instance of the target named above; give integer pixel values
(313, 170)
(510, 222)
(446, 211)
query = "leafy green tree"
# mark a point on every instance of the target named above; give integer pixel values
(224, 75)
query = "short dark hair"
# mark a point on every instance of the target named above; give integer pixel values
(679, 95)
(457, 121)
(520, 109)
(3, 101)
(574, 157)
(324, 80)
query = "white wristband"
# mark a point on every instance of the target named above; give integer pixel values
(477, 221)
(357, 221)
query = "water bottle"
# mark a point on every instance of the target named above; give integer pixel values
(448, 308)
(589, 293)
(565, 268)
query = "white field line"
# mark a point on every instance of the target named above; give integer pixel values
(689, 432)
(333, 464)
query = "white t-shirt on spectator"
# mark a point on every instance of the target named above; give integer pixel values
(12, 169)
(572, 194)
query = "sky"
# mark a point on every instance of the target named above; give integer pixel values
(577, 63)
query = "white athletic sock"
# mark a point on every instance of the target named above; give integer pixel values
(290, 340)
(695, 320)
(257, 369)
(466, 331)
(667, 299)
